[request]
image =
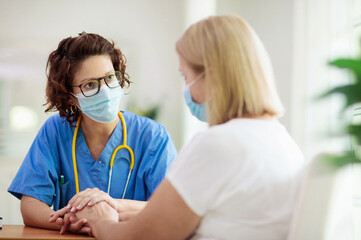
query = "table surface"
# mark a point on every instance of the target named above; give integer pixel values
(23, 232)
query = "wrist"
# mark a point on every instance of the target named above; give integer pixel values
(131, 205)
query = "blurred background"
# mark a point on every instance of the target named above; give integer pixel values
(301, 36)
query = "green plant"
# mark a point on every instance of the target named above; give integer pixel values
(150, 112)
(352, 95)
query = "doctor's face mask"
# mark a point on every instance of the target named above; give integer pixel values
(103, 106)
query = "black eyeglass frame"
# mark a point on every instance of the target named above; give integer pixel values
(118, 75)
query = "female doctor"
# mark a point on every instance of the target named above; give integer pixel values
(90, 148)
(239, 179)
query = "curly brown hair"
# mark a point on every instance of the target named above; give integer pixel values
(65, 61)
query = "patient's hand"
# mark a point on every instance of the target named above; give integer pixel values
(100, 211)
(125, 216)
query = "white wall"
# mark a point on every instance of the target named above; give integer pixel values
(301, 36)
(272, 20)
(323, 31)
(145, 30)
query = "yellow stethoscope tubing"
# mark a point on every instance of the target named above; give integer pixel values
(124, 145)
(74, 157)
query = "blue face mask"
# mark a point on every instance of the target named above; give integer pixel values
(197, 110)
(102, 107)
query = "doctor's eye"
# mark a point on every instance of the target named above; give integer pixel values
(114, 80)
(111, 77)
(90, 85)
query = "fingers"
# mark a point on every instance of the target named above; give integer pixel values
(99, 198)
(73, 224)
(77, 226)
(59, 221)
(66, 220)
(58, 214)
(87, 197)
(80, 203)
(86, 230)
(74, 201)
(63, 229)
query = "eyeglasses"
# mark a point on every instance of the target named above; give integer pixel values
(92, 86)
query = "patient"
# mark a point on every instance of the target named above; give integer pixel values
(240, 178)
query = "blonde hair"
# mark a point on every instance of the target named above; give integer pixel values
(238, 73)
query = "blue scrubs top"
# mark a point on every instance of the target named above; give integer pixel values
(50, 156)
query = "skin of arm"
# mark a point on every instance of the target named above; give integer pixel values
(40, 219)
(126, 205)
(166, 216)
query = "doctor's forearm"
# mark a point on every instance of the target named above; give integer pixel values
(36, 213)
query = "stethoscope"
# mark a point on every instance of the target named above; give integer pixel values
(124, 145)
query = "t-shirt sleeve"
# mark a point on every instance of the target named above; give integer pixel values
(201, 171)
(159, 156)
(37, 175)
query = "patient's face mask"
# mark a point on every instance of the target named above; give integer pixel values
(102, 107)
(197, 110)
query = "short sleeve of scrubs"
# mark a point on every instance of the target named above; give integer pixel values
(37, 176)
(153, 151)
(162, 154)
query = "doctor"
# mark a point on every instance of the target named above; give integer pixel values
(90, 147)
(240, 178)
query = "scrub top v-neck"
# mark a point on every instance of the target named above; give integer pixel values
(50, 157)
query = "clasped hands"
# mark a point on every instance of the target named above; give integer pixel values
(86, 208)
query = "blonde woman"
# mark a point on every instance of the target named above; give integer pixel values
(240, 178)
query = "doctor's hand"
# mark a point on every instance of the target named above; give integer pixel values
(69, 222)
(58, 216)
(75, 225)
(90, 197)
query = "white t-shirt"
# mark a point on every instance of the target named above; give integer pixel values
(242, 178)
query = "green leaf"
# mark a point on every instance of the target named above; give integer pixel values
(352, 64)
(151, 112)
(352, 93)
(340, 160)
(355, 131)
